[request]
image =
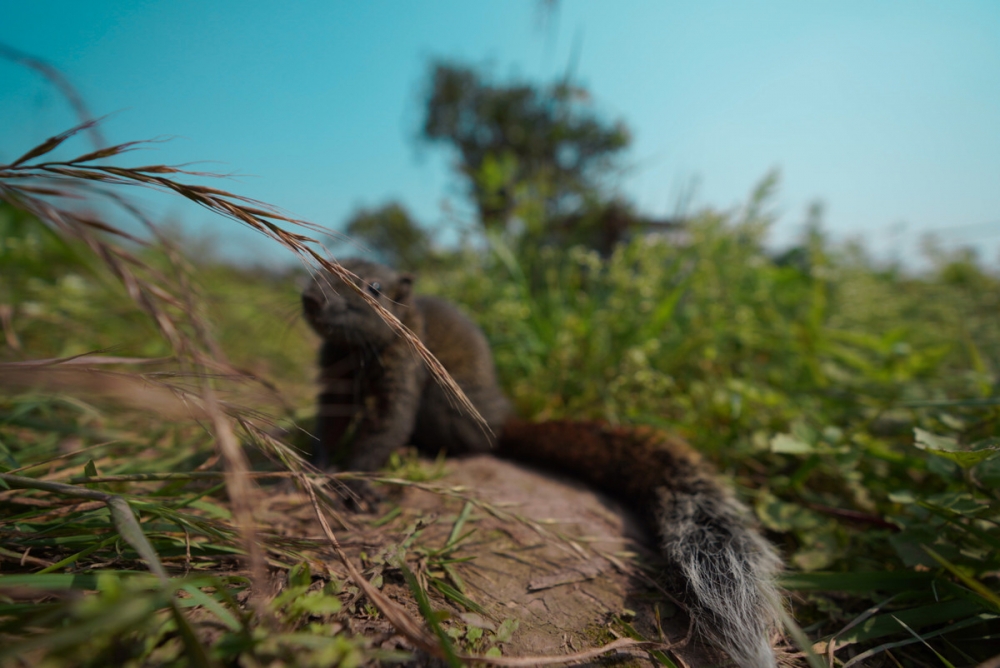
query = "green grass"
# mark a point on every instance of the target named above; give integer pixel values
(853, 405)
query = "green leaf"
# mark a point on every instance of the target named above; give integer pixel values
(927, 615)
(457, 596)
(199, 597)
(388, 517)
(456, 529)
(430, 615)
(972, 583)
(966, 459)
(506, 630)
(128, 526)
(885, 581)
(780, 515)
(908, 546)
(318, 603)
(948, 448)
(788, 444)
(300, 575)
(195, 651)
(83, 581)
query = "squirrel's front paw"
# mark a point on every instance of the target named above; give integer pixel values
(360, 495)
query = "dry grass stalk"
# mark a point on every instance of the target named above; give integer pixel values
(129, 390)
(257, 215)
(33, 185)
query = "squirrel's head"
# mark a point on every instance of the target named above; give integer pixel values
(338, 313)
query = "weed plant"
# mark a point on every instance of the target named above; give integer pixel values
(854, 404)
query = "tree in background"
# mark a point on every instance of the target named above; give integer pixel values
(392, 232)
(537, 161)
(533, 156)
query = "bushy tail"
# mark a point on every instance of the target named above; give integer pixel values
(728, 568)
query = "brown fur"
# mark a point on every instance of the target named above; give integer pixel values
(630, 463)
(374, 384)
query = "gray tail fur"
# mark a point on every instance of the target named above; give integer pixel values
(726, 568)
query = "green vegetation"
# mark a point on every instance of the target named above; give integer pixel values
(519, 141)
(536, 162)
(854, 405)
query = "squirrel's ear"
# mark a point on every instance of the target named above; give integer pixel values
(404, 286)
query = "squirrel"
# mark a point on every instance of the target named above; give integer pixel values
(376, 390)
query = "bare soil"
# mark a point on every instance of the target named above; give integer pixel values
(560, 564)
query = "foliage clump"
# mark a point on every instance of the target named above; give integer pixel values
(854, 402)
(520, 136)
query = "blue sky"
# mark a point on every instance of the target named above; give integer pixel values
(888, 112)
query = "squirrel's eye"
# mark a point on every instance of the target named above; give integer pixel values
(375, 288)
